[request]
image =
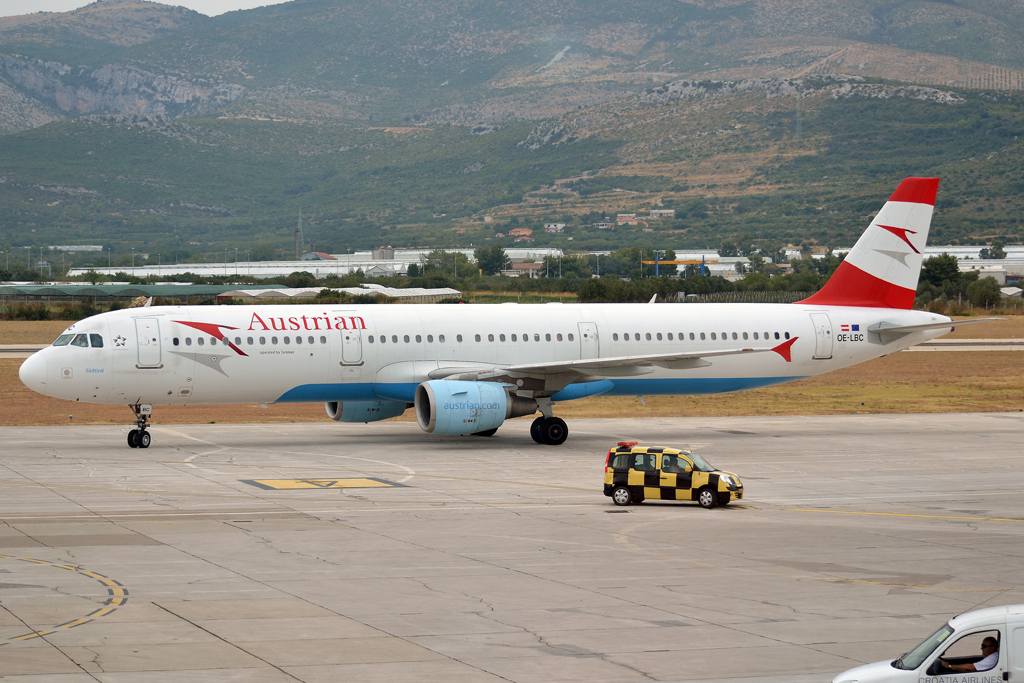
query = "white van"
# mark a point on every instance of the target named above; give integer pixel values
(956, 652)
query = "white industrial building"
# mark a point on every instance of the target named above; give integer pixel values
(321, 265)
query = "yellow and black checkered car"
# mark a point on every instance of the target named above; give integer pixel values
(633, 474)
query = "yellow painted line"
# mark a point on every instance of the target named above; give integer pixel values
(289, 484)
(903, 514)
(113, 588)
(30, 636)
(76, 622)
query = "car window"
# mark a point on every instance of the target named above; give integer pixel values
(967, 648)
(673, 464)
(621, 461)
(645, 462)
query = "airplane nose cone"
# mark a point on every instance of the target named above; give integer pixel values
(33, 373)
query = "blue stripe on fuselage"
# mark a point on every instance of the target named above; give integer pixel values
(405, 391)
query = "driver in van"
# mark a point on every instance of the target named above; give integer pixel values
(990, 657)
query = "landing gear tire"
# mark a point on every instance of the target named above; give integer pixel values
(143, 439)
(133, 437)
(535, 429)
(554, 431)
(139, 437)
(622, 495)
(486, 432)
(707, 498)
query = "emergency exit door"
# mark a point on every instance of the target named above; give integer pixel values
(822, 336)
(590, 345)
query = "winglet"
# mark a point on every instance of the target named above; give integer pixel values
(652, 299)
(784, 349)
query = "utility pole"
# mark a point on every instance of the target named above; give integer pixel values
(133, 261)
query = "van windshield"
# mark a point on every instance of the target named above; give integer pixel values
(700, 463)
(913, 659)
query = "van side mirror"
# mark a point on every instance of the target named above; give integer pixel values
(688, 469)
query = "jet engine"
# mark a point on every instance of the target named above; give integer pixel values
(364, 411)
(457, 407)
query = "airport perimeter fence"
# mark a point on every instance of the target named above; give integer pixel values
(780, 297)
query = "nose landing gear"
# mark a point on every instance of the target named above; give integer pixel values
(140, 438)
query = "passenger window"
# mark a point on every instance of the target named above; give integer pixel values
(173, 341)
(725, 336)
(645, 462)
(691, 336)
(248, 340)
(405, 338)
(501, 337)
(712, 336)
(625, 336)
(430, 339)
(288, 340)
(570, 336)
(620, 461)
(419, 339)
(514, 337)
(369, 339)
(80, 340)
(273, 340)
(188, 341)
(200, 340)
(263, 340)
(648, 336)
(310, 340)
(526, 337)
(659, 336)
(440, 338)
(755, 335)
(536, 337)
(558, 336)
(787, 335)
(547, 337)
(394, 339)
(744, 335)
(734, 335)
(776, 335)
(702, 336)
(238, 341)
(323, 340)
(213, 341)
(615, 336)
(670, 336)
(63, 340)
(490, 337)
(458, 337)
(974, 648)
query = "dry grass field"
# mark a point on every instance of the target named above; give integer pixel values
(902, 383)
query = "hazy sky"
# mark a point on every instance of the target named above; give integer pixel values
(209, 7)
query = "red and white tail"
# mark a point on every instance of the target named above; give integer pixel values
(882, 269)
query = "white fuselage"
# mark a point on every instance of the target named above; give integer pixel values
(313, 353)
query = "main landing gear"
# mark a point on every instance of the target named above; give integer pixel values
(549, 430)
(140, 438)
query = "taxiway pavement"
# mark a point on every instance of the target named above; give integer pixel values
(495, 559)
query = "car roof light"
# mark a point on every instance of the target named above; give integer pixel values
(626, 444)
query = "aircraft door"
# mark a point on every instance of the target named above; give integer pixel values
(822, 336)
(590, 345)
(147, 332)
(351, 347)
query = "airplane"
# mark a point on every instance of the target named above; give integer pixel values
(465, 369)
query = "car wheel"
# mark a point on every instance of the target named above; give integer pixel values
(143, 439)
(622, 495)
(707, 498)
(535, 427)
(132, 436)
(486, 432)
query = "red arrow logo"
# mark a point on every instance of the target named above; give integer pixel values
(902, 234)
(213, 330)
(784, 349)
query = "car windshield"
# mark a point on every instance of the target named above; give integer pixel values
(63, 339)
(700, 463)
(913, 659)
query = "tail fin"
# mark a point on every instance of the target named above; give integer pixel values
(882, 269)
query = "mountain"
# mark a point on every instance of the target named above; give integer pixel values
(137, 123)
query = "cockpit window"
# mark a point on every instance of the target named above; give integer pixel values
(80, 340)
(96, 341)
(64, 340)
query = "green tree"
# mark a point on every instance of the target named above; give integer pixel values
(491, 260)
(939, 269)
(984, 293)
(261, 252)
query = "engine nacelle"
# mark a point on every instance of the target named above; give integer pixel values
(456, 407)
(364, 411)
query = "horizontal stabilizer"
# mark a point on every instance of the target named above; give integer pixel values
(884, 328)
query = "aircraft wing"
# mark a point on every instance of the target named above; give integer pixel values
(677, 361)
(884, 328)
